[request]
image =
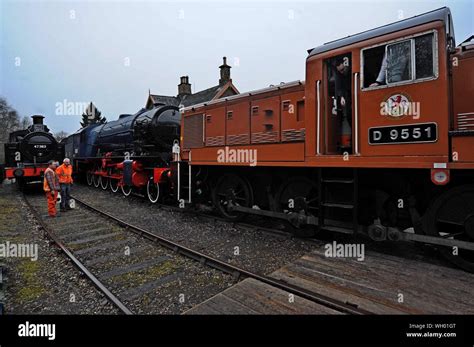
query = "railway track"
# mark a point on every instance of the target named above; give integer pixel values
(254, 225)
(282, 230)
(312, 269)
(127, 268)
(95, 241)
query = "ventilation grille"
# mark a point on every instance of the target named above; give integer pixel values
(193, 130)
(241, 139)
(265, 137)
(466, 121)
(215, 141)
(293, 135)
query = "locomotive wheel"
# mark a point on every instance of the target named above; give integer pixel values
(237, 189)
(97, 179)
(104, 182)
(126, 190)
(114, 185)
(153, 191)
(90, 178)
(451, 216)
(297, 194)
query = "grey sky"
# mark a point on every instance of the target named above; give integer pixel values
(78, 51)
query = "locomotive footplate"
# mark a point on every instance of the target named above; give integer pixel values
(393, 234)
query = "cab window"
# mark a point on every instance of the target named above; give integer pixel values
(403, 61)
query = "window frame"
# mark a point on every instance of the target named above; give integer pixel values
(412, 57)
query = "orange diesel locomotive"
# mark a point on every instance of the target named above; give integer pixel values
(378, 140)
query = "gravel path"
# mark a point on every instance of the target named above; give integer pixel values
(257, 251)
(49, 285)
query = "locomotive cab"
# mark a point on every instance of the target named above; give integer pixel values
(390, 78)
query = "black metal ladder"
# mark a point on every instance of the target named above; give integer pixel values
(325, 186)
(184, 182)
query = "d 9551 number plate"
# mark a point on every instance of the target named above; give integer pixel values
(410, 133)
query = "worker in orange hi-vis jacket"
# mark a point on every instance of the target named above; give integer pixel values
(64, 173)
(51, 187)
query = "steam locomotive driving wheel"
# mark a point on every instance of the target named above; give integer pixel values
(113, 183)
(97, 180)
(153, 191)
(235, 189)
(126, 190)
(90, 178)
(451, 216)
(104, 182)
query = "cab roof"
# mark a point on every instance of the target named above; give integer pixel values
(442, 14)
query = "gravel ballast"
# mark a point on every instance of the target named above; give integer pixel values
(258, 251)
(49, 285)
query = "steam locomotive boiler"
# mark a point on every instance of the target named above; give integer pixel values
(132, 152)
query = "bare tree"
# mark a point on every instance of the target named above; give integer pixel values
(9, 120)
(60, 135)
(25, 122)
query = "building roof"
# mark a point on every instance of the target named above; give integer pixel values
(164, 99)
(442, 14)
(201, 96)
(193, 99)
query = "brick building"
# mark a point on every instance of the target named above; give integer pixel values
(186, 98)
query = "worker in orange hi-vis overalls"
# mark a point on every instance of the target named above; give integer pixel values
(51, 187)
(64, 173)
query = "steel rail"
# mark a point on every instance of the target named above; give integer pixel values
(204, 214)
(76, 261)
(235, 271)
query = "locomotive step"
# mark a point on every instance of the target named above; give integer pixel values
(336, 229)
(343, 181)
(337, 205)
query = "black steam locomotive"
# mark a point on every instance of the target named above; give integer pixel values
(132, 152)
(28, 152)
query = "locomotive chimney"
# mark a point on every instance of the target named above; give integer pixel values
(184, 88)
(225, 72)
(37, 119)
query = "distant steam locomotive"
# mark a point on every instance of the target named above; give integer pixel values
(28, 152)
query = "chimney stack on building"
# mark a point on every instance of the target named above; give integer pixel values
(184, 88)
(225, 72)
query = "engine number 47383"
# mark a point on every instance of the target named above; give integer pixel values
(410, 133)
